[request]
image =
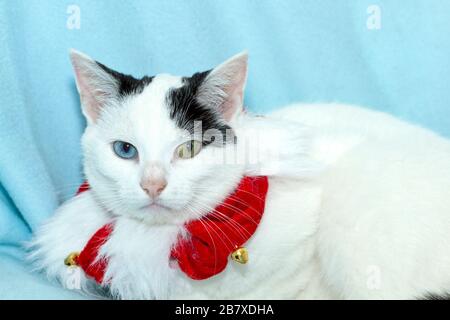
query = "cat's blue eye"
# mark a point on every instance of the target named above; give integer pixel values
(125, 150)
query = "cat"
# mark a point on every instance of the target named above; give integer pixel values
(357, 205)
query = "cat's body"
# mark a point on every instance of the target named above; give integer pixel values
(358, 207)
(384, 218)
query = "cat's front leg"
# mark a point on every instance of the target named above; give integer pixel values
(67, 231)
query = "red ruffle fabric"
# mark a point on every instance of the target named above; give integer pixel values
(211, 240)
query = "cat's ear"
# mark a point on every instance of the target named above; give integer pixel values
(95, 85)
(224, 86)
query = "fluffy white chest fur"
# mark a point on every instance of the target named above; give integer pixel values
(358, 207)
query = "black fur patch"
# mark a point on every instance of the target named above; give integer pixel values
(185, 109)
(433, 296)
(183, 104)
(128, 85)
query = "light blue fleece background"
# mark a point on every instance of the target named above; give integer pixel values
(299, 51)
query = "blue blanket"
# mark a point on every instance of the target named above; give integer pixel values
(388, 55)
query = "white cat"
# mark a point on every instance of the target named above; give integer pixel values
(358, 203)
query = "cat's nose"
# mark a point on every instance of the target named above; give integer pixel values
(154, 187)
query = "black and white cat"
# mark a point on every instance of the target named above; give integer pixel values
(358, 204)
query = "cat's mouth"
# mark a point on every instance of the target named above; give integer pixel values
(155, 206)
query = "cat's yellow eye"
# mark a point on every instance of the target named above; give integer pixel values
(189, 149)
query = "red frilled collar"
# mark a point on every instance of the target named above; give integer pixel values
(210, 240)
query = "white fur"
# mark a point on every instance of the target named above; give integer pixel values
(358, 205)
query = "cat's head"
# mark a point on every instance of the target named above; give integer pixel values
(155, 148)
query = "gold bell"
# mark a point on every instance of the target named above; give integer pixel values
(240, 255)
(72, 259)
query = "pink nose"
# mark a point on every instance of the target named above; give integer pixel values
(154, 187)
